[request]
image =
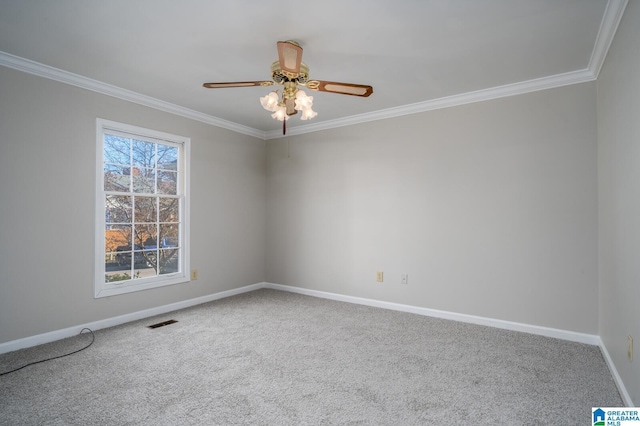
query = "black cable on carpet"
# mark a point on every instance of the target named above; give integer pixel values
(93, 338)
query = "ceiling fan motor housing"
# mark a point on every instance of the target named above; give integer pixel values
(281, 76)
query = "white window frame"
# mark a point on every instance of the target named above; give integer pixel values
(102, 288)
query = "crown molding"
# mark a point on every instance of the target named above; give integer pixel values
(534, 85)
(608, 27)
(46, 71)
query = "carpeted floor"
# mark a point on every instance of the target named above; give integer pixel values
(276, 358)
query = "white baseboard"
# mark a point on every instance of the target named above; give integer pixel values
(572, 336)
(110, 322)
(626, 398)
(590, 339)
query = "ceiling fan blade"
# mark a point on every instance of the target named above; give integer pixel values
(290, 57)
(237, 84)
(341, 88)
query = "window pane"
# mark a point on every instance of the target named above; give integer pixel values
(117, 150)
(145, 209)
(143, 271)
(116, 178)
(118, 265)
(169, 209)
(117, 276)
(167, 182)
(143, 260)
(167, 157)
(118, 209)
(144, 154)
(144, 180)
(116, 237)
(146, 236)
(168, 235)
(123, 257)
(169, 261)
(150, 259)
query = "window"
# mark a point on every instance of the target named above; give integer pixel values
(141, 209)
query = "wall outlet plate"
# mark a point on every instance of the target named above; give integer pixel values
(379, 276)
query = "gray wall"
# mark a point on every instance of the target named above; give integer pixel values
(47, 175)
(619, 203)
(491, 208)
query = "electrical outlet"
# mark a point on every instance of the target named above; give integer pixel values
(194, 274)
(630, 347)
(404, 279)
(379, 276)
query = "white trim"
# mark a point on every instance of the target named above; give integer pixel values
(608, 27)
(626, 398)
(46, 71)
(507, 325)
(590, 339)
(559, 80)
(147, 313)
(111, 322)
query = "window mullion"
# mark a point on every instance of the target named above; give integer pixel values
(157, 204)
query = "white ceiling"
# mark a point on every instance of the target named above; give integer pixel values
(417, 54)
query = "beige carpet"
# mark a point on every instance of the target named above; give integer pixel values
(276, 358)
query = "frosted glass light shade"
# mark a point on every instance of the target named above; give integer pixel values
(280, 113)
(270, 102)
(303, 101)
(308, 114)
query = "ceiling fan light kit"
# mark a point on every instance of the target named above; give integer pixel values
(270, 101)
(289, 71)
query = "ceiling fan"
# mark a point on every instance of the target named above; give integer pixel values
(289, 71)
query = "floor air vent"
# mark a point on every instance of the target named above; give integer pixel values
(162, 324)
